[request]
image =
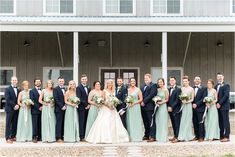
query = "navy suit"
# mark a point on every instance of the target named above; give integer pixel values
(82, 112)
(59, 113)
(11, 114)
(175, 103)
(199, 129)
(223, 100)
(36, 113)
(121, 95)
(147, 110)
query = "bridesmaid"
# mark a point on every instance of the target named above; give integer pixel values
(93, 111)
(48, 115)
(185, 131)
(162, 113)
(71, 128)
(24, 125)
(133, 116)
(212, 119)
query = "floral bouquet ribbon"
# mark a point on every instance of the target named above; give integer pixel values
(155, 99)
(208, 101)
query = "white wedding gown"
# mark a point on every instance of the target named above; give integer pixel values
(108, 127)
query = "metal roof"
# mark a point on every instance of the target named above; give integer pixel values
(117, 20)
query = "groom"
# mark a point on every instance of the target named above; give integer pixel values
(82, 92)
(223, 105)
(121, 93)
(149, 90)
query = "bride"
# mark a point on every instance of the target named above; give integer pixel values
(108, 127)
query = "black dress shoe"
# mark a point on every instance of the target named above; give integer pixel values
(151, 140)
(145, 138)
(35, 140)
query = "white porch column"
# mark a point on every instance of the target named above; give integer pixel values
(75, 57)
(164, 56)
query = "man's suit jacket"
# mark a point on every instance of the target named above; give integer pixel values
(223, 96)
(174, 100)
(59, 99)
(121, 95)
(198, 99)
(83, 96)
(11, 99)
(148, 93)
(34, 95)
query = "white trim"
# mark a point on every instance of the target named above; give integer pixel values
(119, 14)
(8, 68)
(170, 68)
(231, 8)
(117, 28)
(59, 14)
(14, 10)
(164, 56)
(75, 56)
(120, 68)
(167, 14)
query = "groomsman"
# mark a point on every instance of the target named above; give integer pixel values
(174, 105)
(36, 110)
(223, 105)
(149, 90)
(198, 109)
(60, 107)
(82, 92)
(12, 110)
(121, 93)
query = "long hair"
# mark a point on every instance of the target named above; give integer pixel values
(110, 81)
(69, 86)
(49, 81)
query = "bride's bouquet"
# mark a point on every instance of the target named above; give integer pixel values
(114, 101)
(27, 102)
(184, 98)
(157, 99)
(98, 100)
(74, 100)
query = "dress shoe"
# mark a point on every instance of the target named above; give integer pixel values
(13, 139)
(60, 141)
(151, 140)
(200, 140)
(175, 140)
(172, 139)
(35, 140)
(225, 140)
(195, 139)
(9, 141)
(145, 138)
(82, 140)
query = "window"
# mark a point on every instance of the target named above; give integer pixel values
(7, 7)
(232, 6)
(5, 75)
(171, 71)
(52, 73)
(119, 7)
(59, 7)
(115, 72)
(166, 7)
